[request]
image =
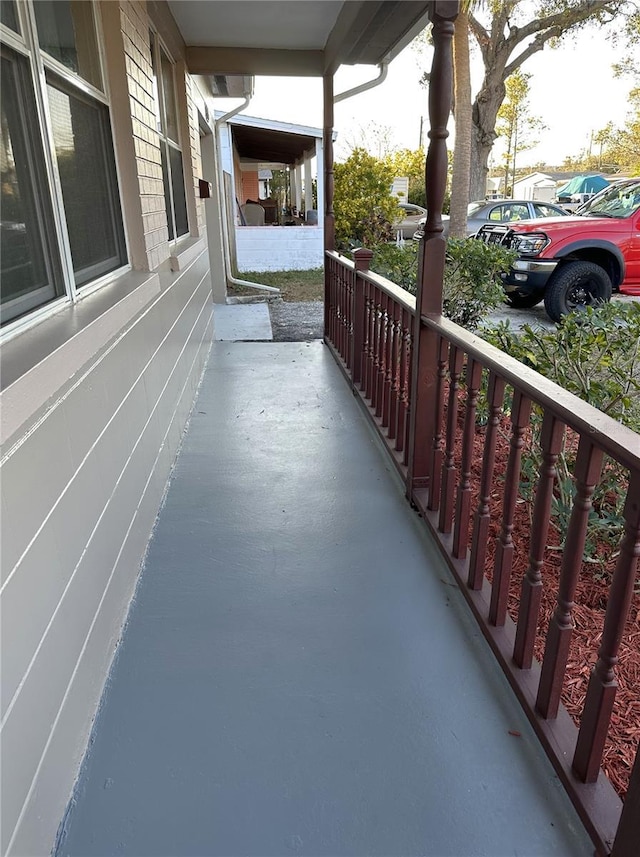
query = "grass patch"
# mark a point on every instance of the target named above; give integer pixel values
(294, 285)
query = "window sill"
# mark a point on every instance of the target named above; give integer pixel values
(37, 362)
(185, 251)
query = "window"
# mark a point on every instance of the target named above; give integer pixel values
(66, 32)
(170, 151)
(31, 273)
(9, 15)
(55, 135)
(82, 139)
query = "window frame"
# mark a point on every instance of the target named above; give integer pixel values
(157, 48)
(40, 63)
(41, 204)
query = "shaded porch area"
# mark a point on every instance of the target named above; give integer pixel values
(299, 672)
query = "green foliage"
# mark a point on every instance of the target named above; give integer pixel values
(595, 355)
(363, 205)
(516, 123)
(471, 287)
(411, 163)
(398, 263)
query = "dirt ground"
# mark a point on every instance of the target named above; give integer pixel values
(295, 286)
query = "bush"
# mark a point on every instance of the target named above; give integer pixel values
(471, 285)
(363, 205)
(595, 355)
(398, 263)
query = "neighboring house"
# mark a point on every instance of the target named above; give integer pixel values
(250, 150)
(112, 252)
(495, 187)
(537, 186)
(543, 186)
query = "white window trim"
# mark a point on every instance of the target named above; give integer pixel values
(164, 138)
(26, 44)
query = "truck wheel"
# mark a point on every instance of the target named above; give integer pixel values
(575, 286)
(517, 301)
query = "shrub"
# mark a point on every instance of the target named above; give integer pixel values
(595, 355)
(471, 285)
(363, 205)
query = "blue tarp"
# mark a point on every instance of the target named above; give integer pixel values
(582, 184)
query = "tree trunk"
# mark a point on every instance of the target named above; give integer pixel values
(463, 126)
(485, 113)
(499, 43)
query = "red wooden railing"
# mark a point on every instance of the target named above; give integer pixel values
(370, 329)
(419, 378)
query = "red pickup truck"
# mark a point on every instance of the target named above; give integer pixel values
(572, 262)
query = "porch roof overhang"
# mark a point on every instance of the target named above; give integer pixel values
(263, 145)
(262, 140)
(306, 38)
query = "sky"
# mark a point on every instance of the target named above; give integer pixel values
(572, 90)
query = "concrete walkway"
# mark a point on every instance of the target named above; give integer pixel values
(299, 675)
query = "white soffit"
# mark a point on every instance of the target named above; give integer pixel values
(276, 24)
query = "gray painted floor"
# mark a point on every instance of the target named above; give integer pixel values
(299, 675)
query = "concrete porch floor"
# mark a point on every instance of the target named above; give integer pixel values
(298, 674)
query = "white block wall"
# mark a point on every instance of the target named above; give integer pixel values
(279, 248)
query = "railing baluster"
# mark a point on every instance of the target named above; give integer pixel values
(503, 562)
(382, 348)
(495, 398)
(361, 259)
(445, 522)
(396, 359)
(328, 298)
(587, 473)
(463, 501)
(388, 375)
(377, 336)
(409, 376)
(349, 338)
(344, 313)
(348, 330)
(601, 692)
(403, 404)
(437, 451)
(371, 340)
(531, 591)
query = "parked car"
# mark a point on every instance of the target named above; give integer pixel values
(576, 261)
(413, 215)
(500, 211)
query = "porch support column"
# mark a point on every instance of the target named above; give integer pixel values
(431, 253)
(213, 216)
(308, 184)
(320, 181)
(298, 194)
(329, 220)
(293, 184)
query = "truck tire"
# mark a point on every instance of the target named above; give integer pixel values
(518, 301)
(575, 286)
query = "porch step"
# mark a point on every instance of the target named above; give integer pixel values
(242, 322)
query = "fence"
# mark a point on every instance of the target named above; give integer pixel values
(425, 407)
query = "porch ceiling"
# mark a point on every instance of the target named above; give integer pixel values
(261, 144)
(303, 38)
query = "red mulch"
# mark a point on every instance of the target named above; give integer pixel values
(588, 616)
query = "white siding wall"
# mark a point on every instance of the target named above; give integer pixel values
(94, 403)
(279, 248)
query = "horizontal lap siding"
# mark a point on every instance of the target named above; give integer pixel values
(94, 470)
